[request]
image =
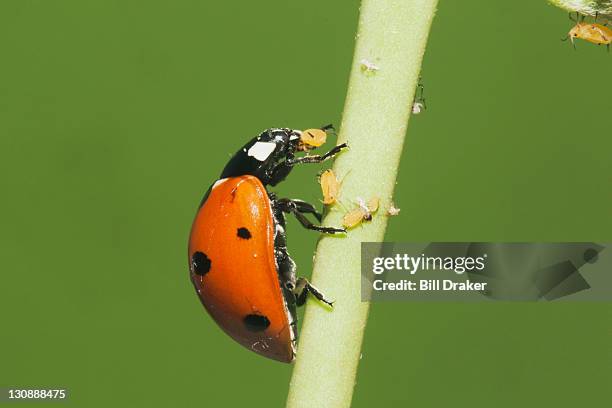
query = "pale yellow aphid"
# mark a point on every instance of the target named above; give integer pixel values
(330, 186)
(311, 138)
(591, 32)
(363, 212)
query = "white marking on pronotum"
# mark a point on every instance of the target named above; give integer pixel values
(219, 182)
(261, 150)
(295, 135)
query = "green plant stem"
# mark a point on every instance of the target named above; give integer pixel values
(390, 44)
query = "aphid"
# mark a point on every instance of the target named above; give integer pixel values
(592, 32)
(368, 67)
(418, 104)
(238, 258)
(313, 138)
(393, 211)
(363, 212)
(330, 186)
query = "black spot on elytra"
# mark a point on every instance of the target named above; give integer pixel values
(200, 263)
(244, 233)
(256, 323)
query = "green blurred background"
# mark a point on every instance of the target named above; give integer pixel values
(116, 115)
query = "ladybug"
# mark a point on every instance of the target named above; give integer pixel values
(238, 258)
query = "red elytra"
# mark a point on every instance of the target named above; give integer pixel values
(231, 253)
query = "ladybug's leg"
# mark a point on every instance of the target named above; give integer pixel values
(304, 207)
(303, 288)
(282, 169)
(316, 158)
(279, 173)
(307, 224)
(297, 208)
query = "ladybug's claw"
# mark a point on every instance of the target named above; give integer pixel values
(303, 288)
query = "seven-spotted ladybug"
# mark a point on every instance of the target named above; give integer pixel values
(238, 257)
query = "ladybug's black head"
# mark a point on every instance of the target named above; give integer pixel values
(268, 156)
